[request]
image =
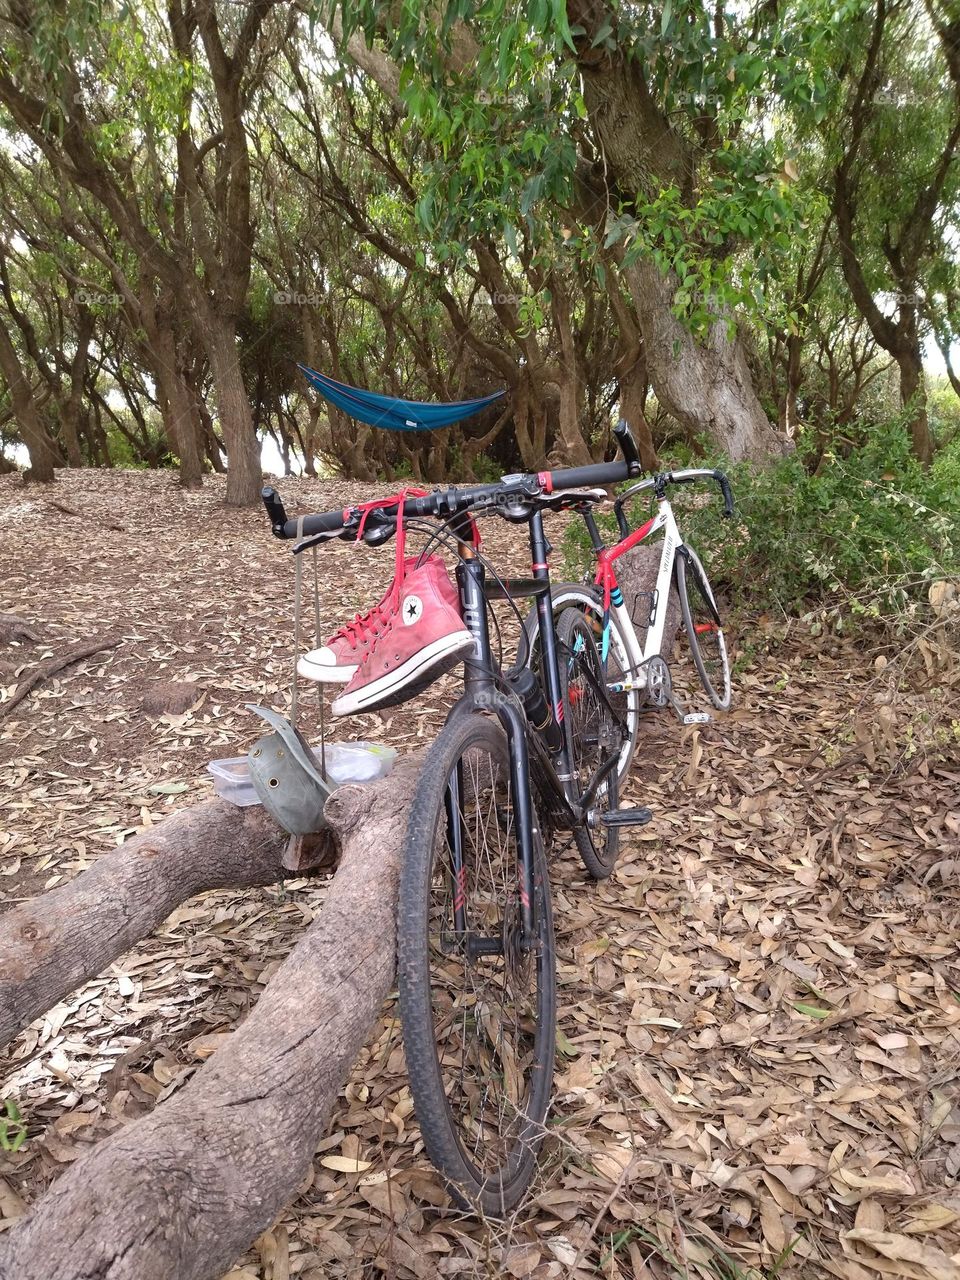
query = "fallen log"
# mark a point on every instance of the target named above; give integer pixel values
(52, 944)
(181, 1193)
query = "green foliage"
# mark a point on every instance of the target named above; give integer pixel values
(862, 536)
(943, 407)
(507, 130)
(13, 1128)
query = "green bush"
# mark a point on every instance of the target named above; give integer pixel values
(863, 534)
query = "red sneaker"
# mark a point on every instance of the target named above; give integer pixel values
(423, 635)
(336, 661)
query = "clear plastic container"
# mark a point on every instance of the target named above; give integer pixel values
(357, 761)
(231, 781)
(346, 762)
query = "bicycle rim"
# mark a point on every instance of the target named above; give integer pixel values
(478, 1013)
(704, 634)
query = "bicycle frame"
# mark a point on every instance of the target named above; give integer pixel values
(606, 579)
(613, 601)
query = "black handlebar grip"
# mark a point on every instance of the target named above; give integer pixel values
(727, 492)
(601, 473)
(628, 446)
(275, 511)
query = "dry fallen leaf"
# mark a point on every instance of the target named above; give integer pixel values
(769, 879)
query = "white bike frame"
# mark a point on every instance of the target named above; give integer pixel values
(613, 602)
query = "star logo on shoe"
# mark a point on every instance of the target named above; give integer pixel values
(412, 610)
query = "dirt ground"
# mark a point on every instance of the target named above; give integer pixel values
(760, 1023)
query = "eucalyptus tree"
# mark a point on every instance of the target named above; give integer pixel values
(521, 307)
(144, 109)
(894, 132)
(652, 128)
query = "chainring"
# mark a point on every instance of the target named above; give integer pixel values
(659, 689)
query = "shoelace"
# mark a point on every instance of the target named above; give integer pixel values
(380, 504)
(361, 626)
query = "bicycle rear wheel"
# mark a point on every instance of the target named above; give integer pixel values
(701, 623)
(593, 735)
(478, 1012)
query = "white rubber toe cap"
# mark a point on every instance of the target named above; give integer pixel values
(321, 665)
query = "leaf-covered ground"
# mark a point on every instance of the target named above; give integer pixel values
(760, 1045)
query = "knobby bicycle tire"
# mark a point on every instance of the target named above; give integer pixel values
(447, 1105)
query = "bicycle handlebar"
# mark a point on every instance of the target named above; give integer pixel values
(690, 474)
(659, 482)
(444, 503)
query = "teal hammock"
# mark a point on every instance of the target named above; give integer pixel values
(391, 413)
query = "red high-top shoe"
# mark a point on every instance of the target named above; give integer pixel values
(422, 636)
(336, 661)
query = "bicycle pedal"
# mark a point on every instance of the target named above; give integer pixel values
(697, 717)
(638, 817)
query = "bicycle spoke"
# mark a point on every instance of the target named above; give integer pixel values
(484, 1022)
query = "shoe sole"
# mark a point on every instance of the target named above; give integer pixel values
(325, 675)
(409, 679)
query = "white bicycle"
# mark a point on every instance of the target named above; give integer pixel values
(636, 673)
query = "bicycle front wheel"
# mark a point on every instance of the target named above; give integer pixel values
(620, 668)
(478, 1011)
(594, 737)
(698, 609)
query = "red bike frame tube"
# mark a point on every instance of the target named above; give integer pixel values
(605, 573)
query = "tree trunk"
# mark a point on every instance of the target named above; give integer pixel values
(44, 455)
(50, 945)
(572, 443)
(181, 1193)
(236, 420)
(177, 406)
(203, 424)
(633, 383)
(789, 415)
(705, 384)
(913, 396)
(70, 410)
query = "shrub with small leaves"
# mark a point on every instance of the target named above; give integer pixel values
(860, 537)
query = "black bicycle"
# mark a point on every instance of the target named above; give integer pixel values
(523, 753)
